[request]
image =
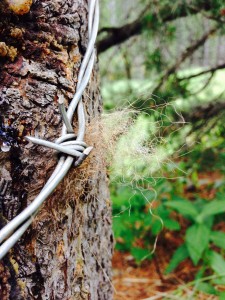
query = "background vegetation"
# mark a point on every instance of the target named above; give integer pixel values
(162, 68)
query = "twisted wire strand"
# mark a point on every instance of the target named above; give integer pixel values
(70, 145)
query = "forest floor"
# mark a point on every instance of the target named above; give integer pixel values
(147, 281)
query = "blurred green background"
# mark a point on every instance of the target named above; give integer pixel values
(162, 66)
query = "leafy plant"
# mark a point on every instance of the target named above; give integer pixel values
(135, 227)
(200, 237)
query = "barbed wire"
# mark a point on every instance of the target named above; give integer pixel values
(69, 144)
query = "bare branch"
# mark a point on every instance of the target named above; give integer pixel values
(119, 35)
(208, 16)
(204, 85)
(205, 112)
(211, 70)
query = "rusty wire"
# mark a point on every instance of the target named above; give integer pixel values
(70, 145)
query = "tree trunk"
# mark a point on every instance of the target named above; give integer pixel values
(66, 253)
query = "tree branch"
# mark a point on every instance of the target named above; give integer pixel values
(187, 52)
(208, 16)
(204, 85)
(204, 113)
(211, 70)
(119, 35)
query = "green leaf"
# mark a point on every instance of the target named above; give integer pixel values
(217, 263)
(171, 224)
(197, 239)
(179, 255)
(218, 238)
(156, 227)
(184, 207)
(121, 230)
(140, 254)
(222, 296)
(213, 208)
(206, 288)
(200, 274)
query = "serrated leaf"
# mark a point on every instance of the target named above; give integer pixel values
(184, 207)
(218, 239)
(197, 239)
(179, 255)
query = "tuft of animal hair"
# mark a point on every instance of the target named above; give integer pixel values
(135, 142)
(135, 147)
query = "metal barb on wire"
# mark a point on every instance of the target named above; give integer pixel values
(70, 145)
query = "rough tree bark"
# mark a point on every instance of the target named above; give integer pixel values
(66, 253)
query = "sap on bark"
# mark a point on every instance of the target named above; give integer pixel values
(8, 137)
(19, 7)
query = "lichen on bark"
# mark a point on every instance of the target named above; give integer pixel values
(66, 254)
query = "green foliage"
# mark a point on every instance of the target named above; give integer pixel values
(179, 255)
(218, 239)
(200, 235)
(134, 222)
(197, 239)
(211, 209)
(184, 207)
(154, 60)
(140, 254)
(217, 263)
(207, 288)
(136, 228)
